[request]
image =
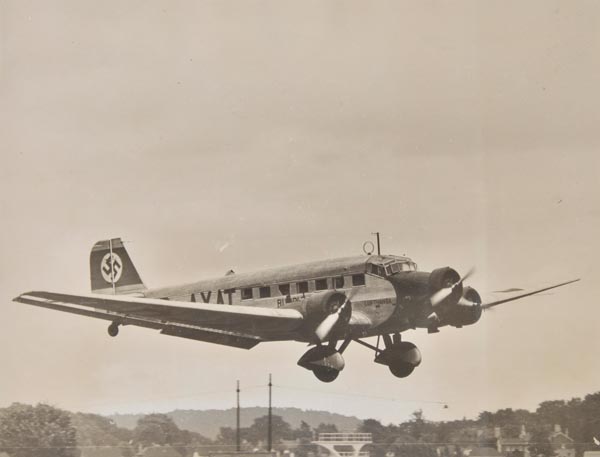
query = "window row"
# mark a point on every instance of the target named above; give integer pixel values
(302, 287)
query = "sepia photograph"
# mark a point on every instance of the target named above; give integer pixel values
(283, 228)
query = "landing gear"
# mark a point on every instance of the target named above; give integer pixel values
(113, 329)
(401, 369)
(326, 374)
(401, 357)
(325, 362)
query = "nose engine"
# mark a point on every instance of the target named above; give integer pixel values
(466, 311)
(451, 302)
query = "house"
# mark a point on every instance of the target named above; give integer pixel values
(159, 451)
(101, 451)
(507, 446)
(562, 443)
(484, 452)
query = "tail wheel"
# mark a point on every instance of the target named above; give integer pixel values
(113, 329)
(326, 374)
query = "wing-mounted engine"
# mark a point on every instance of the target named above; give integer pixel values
(325, 314)
(319, 305)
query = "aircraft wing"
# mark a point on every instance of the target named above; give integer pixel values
(231, 325)
(524, 294)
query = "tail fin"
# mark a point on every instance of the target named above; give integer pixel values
(111, 269)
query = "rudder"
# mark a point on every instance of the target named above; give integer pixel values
(111, 269)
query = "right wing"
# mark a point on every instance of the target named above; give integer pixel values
(523, 295)
(231, 325)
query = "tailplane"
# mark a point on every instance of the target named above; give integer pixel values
(112, 271)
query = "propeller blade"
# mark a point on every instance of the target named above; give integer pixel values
(441, 295)
(463, 301)
(467, 275)
(325, 327)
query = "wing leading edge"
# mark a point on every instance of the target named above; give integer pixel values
(526, 294)
(230, 325)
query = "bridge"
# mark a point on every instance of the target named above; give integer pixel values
(344, 444)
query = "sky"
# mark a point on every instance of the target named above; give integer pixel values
(465, 132)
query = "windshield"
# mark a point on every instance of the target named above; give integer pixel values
(391, 267)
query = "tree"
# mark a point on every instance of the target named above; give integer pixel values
(160, 429)
(304, 435)
(259, 430)
(304, 432)
(37, 431)
(325, 428)
(375, 428)
(540, 445)
(227, 435)
(417, 424)
(96, 430)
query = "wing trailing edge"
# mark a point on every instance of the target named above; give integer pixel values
(230, 325)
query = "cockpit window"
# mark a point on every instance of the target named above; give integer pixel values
(392, 267)
(377, 270)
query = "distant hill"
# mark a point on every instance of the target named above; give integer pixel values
(208, 422)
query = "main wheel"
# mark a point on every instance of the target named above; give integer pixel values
(401, 369)
(326, 374)
(113, 329)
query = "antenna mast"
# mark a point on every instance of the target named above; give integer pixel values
(378, 244)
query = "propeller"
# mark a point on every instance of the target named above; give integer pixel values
(443, 293)
(325, 327)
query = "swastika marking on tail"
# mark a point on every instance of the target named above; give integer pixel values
(111, 269)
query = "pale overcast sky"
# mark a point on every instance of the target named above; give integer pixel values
(466, 132)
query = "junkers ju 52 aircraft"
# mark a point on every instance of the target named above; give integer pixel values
(321, 303)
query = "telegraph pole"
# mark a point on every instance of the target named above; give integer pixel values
(270, 435)
(237, 422)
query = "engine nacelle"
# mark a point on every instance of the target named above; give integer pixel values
(465, 312)
(442, 278)
(319, 305)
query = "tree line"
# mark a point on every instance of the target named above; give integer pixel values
(46, 431)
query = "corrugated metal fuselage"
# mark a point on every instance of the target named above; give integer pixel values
(380, 304)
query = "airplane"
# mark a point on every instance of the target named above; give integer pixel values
(321, 303)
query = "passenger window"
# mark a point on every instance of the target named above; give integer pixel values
(302, 287)
(247, 293)
(358, 280)
(284, 289)
(264, 292)
(321, 284)
(338, 282)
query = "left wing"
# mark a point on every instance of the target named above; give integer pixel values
(232, 325)
(523, 295)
